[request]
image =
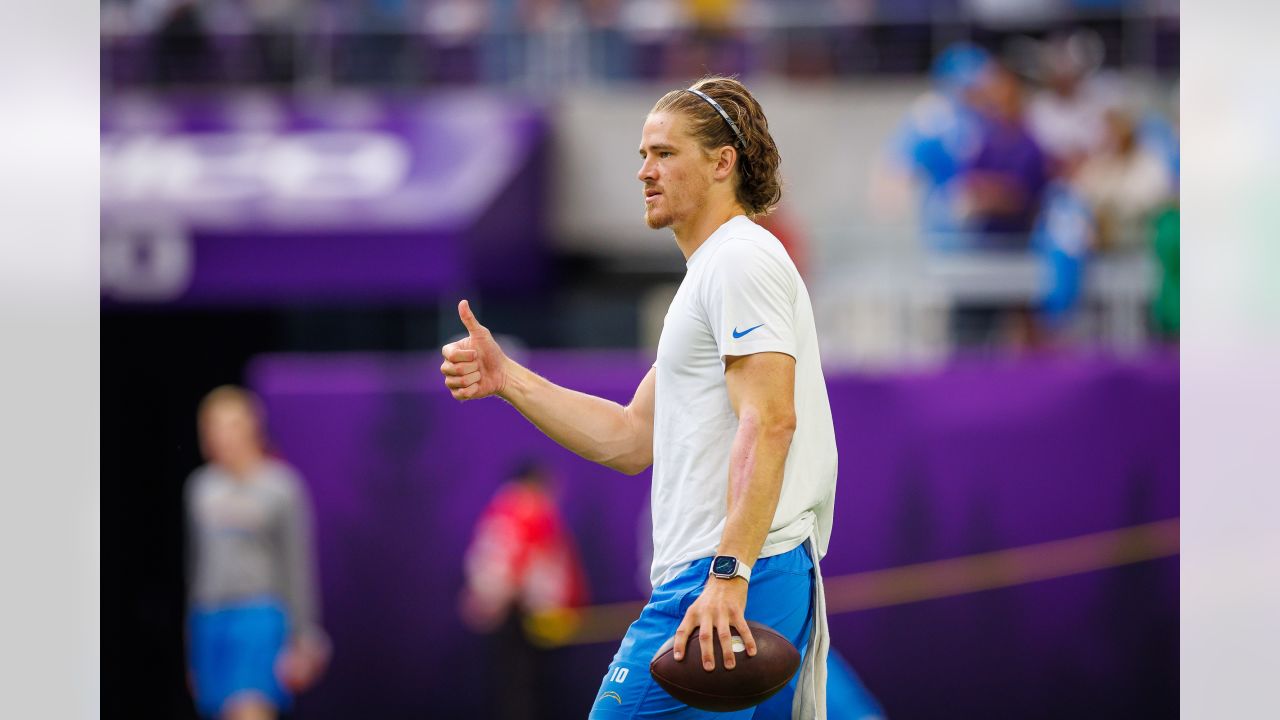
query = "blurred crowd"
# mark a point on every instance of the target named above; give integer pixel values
(1041, 150)
(1037, 145)
(546, 42)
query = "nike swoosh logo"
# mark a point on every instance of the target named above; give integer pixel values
(737, 334)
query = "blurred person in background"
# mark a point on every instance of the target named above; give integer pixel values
(1004, 182)
(376, 42)
(182, 52)
(274, 27)
(523, 576)
(1064, 239)
(1158, 131)
(609, 57)
(937, 140)
(253, 634)
(733, 416)
(966, 144)
(1166, 305)
(1125, 183)
(1000, 195)
(1067, 116)
(713, 38)
(503, 41)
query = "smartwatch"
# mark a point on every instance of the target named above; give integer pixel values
(728, 567)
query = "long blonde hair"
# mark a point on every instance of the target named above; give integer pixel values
(759, 186)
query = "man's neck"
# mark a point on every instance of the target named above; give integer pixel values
(691, 235)
(243, 466)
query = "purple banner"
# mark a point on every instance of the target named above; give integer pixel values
(256, 198)
(955, 464)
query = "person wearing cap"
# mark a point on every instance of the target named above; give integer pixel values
(733, 416)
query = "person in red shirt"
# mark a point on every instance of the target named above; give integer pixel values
(521, 569)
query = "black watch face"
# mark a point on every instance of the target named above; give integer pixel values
(724, 565)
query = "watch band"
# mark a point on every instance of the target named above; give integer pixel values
(740, 568)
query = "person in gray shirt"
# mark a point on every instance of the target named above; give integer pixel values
(253, 635)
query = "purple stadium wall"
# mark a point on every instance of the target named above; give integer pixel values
(973, 459)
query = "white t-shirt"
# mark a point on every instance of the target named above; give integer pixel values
(741, 295)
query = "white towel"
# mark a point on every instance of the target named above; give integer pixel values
(810, 701)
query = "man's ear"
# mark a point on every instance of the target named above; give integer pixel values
(726, 157)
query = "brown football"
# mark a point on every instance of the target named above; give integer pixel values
(754, 680)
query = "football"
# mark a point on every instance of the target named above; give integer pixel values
(754, 680)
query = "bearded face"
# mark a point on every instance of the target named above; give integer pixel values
(675, 171)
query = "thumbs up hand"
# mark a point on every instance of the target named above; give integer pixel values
(474, 367)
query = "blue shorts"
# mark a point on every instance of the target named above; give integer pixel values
(780, 596)
(233, 652)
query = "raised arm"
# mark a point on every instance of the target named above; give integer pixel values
(762, 391)
(617, 436)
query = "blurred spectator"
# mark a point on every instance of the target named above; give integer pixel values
(375, 41)
(1003, 184)
(1064, 237)
(1125, 183)
(983, 177)
(714, 44)
(254, 638)
(609, 56)
(651, 27)
(937, 140)
(1000, 194)
(1067, 117)
(453, 31)
(274, 26)
(523, 574)
(1159, 134)
(505, 43)
(182, 52)
(713, 15)
(1166, 304)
